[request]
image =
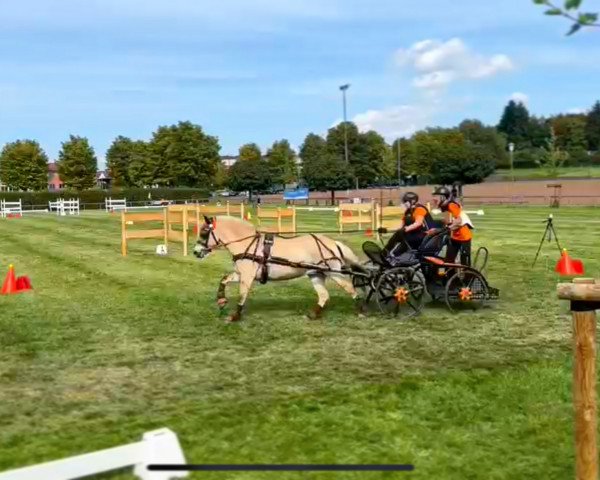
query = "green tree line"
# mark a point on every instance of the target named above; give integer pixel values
(183, 155)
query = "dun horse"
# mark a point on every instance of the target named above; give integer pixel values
(260, 256)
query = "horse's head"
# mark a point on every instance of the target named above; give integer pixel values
(207, 239)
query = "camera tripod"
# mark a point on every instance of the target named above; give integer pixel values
(547, 235)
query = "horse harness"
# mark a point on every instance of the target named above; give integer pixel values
(266, 258)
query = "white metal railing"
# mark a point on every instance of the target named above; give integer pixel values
(158, 446)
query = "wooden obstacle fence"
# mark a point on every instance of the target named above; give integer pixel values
(280, 220)
(10, 209)
(137, 219)
(357, 214)
(156, 447)
(584, 295)
(176, 221)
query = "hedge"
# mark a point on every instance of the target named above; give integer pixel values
(95, 198)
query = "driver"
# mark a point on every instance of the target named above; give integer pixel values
(413, 227)
(460, 228)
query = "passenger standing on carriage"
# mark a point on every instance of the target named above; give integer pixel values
(460, 232)
(414, 225)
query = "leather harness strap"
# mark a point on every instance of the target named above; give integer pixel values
(265, 259)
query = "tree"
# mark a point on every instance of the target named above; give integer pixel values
(491, 143)
(282, 163)
(118, 159)
(592, 128)
(321, 168)
(408, 158)
(250, 172)
(552, 157)
(24, 165)
(336, 146)
(465, 163)
(572, 11)
(569, 131)
(538, 131)
(514, 124)
(370, 164)
(183, 155)
(250, 151)
(77, 164)
(140, 171)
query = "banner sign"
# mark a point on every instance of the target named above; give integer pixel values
(298, 194)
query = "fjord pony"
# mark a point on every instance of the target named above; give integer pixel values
(247, 246)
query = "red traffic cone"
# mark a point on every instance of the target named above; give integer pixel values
(10, 283)
(567, 266)
(23, 284)
(369, 232)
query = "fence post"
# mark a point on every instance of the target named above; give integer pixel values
(584, 295)
(123, 235)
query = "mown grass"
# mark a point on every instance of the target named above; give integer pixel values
(542, 173)
(107, 347)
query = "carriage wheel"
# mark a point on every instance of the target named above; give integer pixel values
(466, 289)
(400, 293)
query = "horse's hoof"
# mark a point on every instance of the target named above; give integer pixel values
(316, 313)
(221, 302)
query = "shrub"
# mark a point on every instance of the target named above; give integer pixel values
(95, 198)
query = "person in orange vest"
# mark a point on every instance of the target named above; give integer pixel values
(460, 231)
(413, 228)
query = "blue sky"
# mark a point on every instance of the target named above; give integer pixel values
(261, 70)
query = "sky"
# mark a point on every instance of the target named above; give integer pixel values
(263, 70)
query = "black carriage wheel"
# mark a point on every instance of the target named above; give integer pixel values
(466, 288)
(399, 293)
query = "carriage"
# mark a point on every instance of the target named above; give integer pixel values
(399, 285)
(396, 284)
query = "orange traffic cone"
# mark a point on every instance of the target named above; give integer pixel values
(369, 232)
(568, 266)
(10, 283)
(23, 284)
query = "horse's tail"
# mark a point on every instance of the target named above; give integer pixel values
(347, 255)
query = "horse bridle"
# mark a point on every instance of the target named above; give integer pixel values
(207, 231)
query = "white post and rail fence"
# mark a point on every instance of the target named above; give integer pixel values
(156, 447)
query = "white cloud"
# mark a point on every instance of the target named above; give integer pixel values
(520, 97)
(576, 110)
(396, 121)
(438, 63)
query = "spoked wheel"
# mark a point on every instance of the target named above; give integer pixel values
(400, 292)
(466, 289)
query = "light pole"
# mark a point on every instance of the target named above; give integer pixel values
(511, 149)
(343, 88)
(399, 176)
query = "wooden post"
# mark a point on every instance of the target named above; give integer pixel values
(123, 235)
(165, 226)
(185, 231)
(584, 295)
(279, 220)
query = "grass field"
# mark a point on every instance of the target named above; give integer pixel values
(107, 347)
(540, 173)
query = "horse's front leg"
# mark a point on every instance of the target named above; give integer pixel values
(247, 274)
(318, 282)
(221, 298)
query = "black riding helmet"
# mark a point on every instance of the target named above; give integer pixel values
(410, 197)
(445, 193)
